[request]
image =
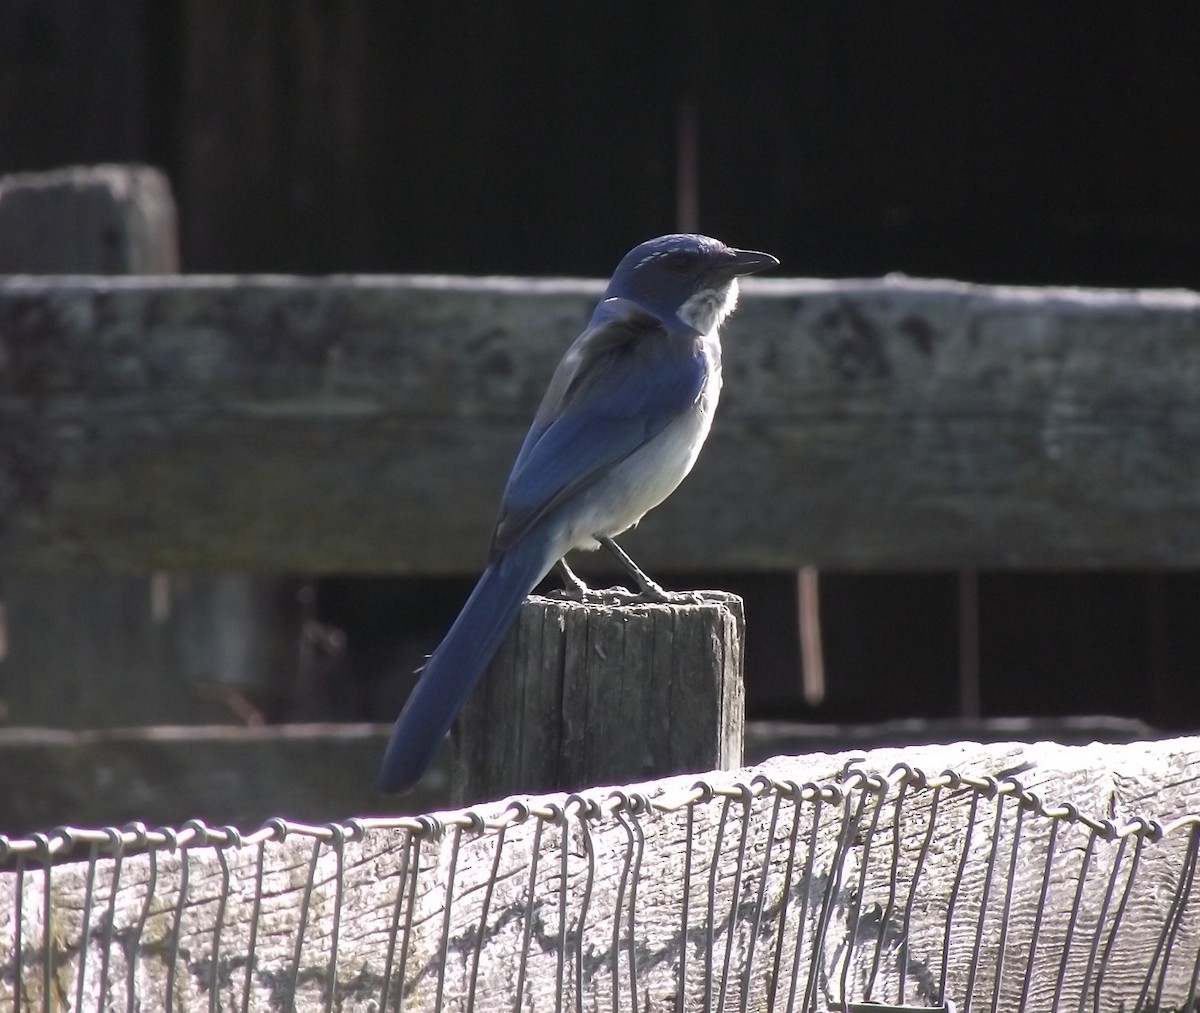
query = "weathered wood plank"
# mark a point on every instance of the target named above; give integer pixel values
(861, 883)
(87, 650)
(223, 774)
(107, 219)
(93, 651)
(583, 694)
(321, 772)
(354, 424)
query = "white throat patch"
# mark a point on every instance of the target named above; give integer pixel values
(705, 310)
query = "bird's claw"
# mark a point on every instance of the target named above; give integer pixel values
(654, 595)
(592, 595)
(661, 596)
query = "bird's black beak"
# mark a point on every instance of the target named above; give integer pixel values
(750, 262)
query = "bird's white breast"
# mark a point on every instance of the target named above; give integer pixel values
(649, 475)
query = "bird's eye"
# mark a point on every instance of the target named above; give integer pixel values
(682, 263)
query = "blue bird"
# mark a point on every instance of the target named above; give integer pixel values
(619, 428)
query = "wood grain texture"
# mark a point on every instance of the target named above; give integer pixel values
(92, 651)
(107, 219)
(748, 895)
(223, 774)
(585, 694)
(368, 425)
(96, 650)
(320, 772)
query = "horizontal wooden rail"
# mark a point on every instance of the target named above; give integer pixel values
(165, 775)
(368, 424)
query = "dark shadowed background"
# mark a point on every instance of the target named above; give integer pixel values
(1013, 145)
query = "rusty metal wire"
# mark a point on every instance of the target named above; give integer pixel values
(735, 892)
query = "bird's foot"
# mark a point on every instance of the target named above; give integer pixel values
(653, 592)
(573, 589)
(649, 592)
(618, 595)
(594, 595)
(660, 596)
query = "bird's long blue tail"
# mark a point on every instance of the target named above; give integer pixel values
(453, 669)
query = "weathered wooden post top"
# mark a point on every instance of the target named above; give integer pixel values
(584, 694)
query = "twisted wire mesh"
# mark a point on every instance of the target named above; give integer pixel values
(745, 891)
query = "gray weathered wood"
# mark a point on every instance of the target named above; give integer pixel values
(223, 774)
(320, 772)
(106, 219)
(586, 694)
(88, 650)
(94, 651)
(85, 649)
(868, 882)
(354, 424)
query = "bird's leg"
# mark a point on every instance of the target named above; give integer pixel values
(573, 586)
(648, 588)
(574, 589)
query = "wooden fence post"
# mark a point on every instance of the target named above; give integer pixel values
(87, 650)
(103, 219)
(585, 694)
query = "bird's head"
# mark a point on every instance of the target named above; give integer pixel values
(692, 279)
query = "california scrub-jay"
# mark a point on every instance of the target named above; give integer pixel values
(620, 427)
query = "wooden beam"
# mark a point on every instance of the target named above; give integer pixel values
(226, 774)
(368, 425)
(166, 775)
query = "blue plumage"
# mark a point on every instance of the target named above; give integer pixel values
(620, 426)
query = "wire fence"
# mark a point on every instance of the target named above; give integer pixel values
(768, 889)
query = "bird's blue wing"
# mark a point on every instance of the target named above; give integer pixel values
(622, 382)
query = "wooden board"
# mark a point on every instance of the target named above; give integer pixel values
(320, 772)
(820, 879)
(368, 425)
